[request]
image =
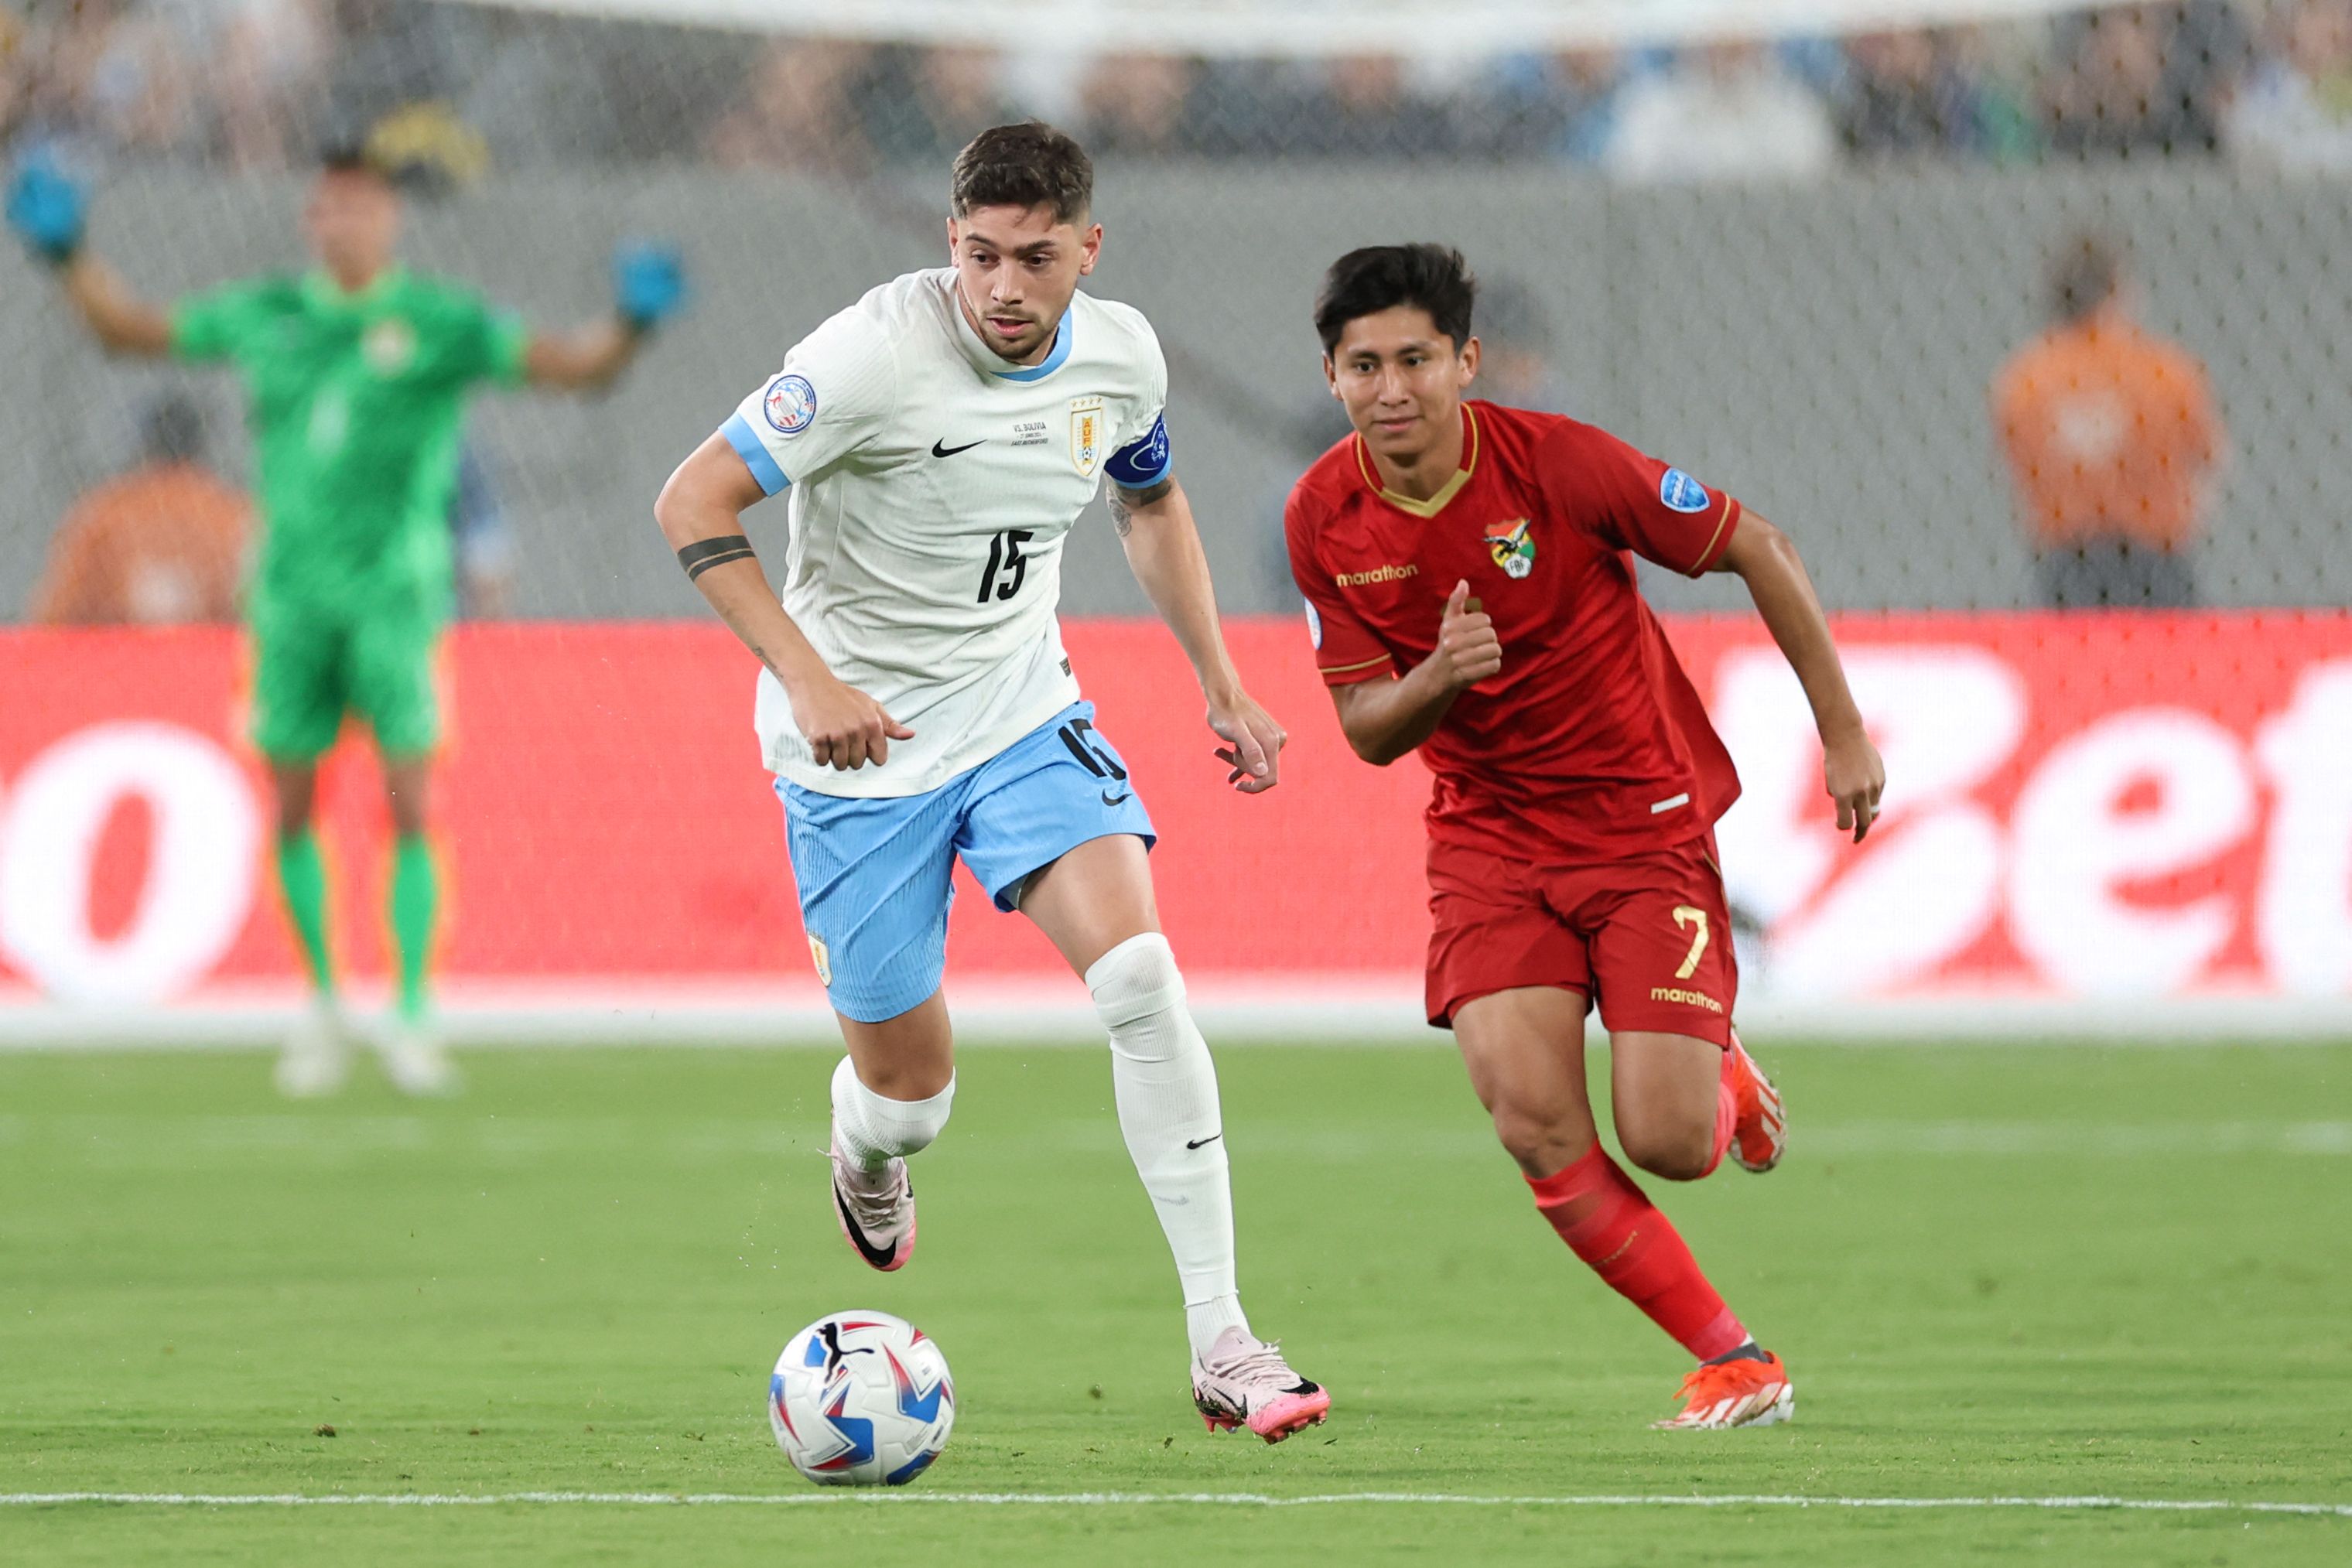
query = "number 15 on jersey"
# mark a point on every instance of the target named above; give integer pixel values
(1004, 556)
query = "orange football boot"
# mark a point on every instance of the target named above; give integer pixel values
(1741, 1393)
(1760, 1127)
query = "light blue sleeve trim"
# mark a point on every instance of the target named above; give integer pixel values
(755, 454)
(1052, 362)
(1143, 462)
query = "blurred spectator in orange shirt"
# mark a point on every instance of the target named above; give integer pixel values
(161, 545)
(2113, 441)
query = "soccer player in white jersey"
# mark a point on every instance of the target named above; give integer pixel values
(937, 439)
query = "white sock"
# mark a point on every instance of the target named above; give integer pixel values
(1204, 1321)
(874, 1131)
(1167, 1091)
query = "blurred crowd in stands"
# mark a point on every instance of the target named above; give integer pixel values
(454, 89)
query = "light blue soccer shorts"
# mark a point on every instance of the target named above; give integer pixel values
(874, 873)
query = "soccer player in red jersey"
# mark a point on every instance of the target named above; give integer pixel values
(1470, 594)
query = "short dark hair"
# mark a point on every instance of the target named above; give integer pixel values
(1381, 276)
(2086, 274)
(172, 429)
(346, 152)
(343, 158)
(1026, 165)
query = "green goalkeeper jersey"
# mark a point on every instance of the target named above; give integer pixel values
(356, 403)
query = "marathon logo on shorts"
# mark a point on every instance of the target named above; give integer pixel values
(1681, 493)
(1686, 999)
(791, 403)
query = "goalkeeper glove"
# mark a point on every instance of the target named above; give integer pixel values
(648, 284)
(47, 207)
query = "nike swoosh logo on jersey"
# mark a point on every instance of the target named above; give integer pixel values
(1110, 800)
(940, 450)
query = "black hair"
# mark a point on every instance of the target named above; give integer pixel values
(1030, 164)
(2086, 274)
(344, 153)
(172, 430)
(1378, 278)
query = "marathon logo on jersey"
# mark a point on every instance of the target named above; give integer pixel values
(1681, 493)
(1377, 574)
(1513, 550)
(791, 403)
(1086, 435)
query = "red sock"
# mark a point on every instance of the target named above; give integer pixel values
(1727, 1112)
(1606, 1221)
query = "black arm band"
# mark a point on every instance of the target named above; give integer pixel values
(703, 554)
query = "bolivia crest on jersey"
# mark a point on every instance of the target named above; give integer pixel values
(1513, 550)
(1086, 435)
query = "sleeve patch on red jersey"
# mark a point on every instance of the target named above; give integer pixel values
(1314, 624)
(1681, 493)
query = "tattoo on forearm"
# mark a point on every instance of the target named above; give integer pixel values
(703, 554)
(1123, 502)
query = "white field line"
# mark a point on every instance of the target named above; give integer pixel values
(1120, 1500)
(1301, 1008)
(122, 1142)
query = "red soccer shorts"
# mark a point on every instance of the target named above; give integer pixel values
(1647, 938)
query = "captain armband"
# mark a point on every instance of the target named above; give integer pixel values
(703, 554)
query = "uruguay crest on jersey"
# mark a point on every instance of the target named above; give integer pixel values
(1086, 434)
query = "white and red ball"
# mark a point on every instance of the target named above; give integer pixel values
(861, 1399)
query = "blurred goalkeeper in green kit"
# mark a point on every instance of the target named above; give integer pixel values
(357, 374)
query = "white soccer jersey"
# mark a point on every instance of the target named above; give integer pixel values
(932, 486)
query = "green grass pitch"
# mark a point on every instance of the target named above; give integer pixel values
(1994, 1272)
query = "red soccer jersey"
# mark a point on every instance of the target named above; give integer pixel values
(1590, 743)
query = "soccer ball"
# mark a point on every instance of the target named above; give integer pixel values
(861, 1399)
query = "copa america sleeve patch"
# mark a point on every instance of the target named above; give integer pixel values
(1314, 625)
(791, 403)
(1143, 462)
(1679, 491)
